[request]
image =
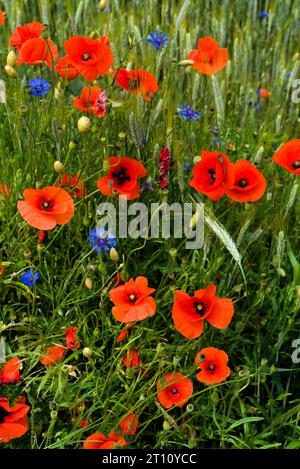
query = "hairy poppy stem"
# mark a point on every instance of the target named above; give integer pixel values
(218, 100)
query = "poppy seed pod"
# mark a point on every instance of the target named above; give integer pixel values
(11, 58)
(88, 283)
(87, 352)
(113, 254)
(83, 124)
(58, 167)
(10, 71)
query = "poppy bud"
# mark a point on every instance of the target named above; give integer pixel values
(113, 254)
(72, 145)
(87, 352)
(197, 159)
(106, 166)
(10, 71)
(88, 283)
(186, 62)
(84, 124)
(102, 4)
(58, 167)
(11, 58)
(166, 426)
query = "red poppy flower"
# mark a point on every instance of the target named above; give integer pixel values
(53, 354)
(288, 156)
(190, 312)
(65, 69)
(208, 58)
(123, 334)
(73, 185)
(71, 338)
(175, 390)
(99, 441)
(90, 101)
(13, 420)
(212, 174)
(132, 301)
(248, 183)
(45, 208)
(38, 51)
(122, 177)
(4, 192)
(24, 33)
(213, 367)
(2, 17)
(137, 81)
(263, 93)
(10, 372)
(91, 57)
(132, 359)
(129, 424)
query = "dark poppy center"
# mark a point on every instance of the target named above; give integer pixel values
(211, 367)
(121, 176)
(212, 174)
(3, 414)
(243, 183)
(132, 298)
(200, 308)
(296, 164)
(85, 57)
(46, 205)
(174, 391)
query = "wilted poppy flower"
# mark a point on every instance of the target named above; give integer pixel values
(90, 101)
(122, 177)
(24, 33)
(71, 338)
(65, 69)
(73, 185)
(4, 192)
(175, 390)
(53, 354)
(212, 174)
(288, 156)
(123, 334)
(38, 51)
(13, 420)
(190, 312)
(10, 372)
(132, 359)
(91, 57)
(45, 208)
(132, 301)
(208, 58)
(248, 184)
(99, 441)
(137, 81)
(213, 368)
(2, 17)
(129, 424)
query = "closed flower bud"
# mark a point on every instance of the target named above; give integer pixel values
(87, 352)
(11, 58)
(186, 62)
(122, 135)
(166, 425)
(72, 145)
(106, 166)
(84, 124)
(58, 167)
(88, 283)
(197, 159)
(113, 254)
(10, 71)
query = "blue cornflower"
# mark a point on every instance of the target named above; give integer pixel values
(187, 167)
(38, 87)
(101, 241)
(288, 74)
(158, 40)
(189, 113)
(264, 14)
(29, 278)
(257, 106)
